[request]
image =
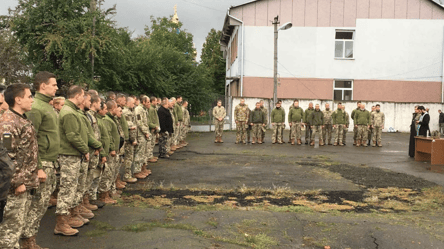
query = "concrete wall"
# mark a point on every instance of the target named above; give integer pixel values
(397, 115)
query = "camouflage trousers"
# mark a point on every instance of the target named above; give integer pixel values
(168, 142)
(317, 129)
(128, 160)
(39, 202)
(81, 185)
(69, 173)
(14, 218)
(339, 133)
(370, 134)
(345, 134)
(107, 177)
(150, 146)
(140, 154)
(93, 164)
(362, 133)
(183, 132)
(219, 127)
(118, 165)
(377, 134)
(295, 130)
(257, 132)
(177, 133)
(241, 131)
(163, 140)
(355, 133)
(96, 178)
(327, 133)
(308, 133)
(278, 135)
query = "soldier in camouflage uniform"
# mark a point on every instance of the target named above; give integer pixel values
(307, 114)
(3, 104)
(339, 119)
(116, 184)
(166, 127)
(290, 134)
(186, 124)
(328, 125)
(23, 152)
(370, 130)
(362, 123)
(355, 128)
(295, 119)
(170, 147)
(153, 125)
(347, 123)
(265, 110)
(278, 123)
(219, 114)
(143, 138)
(241, 118)
(316, 120)
(257, 121)
(128, 114)
(377, 120)
(179, 119)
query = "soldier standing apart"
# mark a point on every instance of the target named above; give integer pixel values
(307, 114)
(22, 150)
(278, 123)
(290, 134)
(362, 123)
(370, 130)
(316, 120)
(73, 151)
(154, 125)
(441, 122)
(166, 127)
(295, 119)
(186, 124)
(339, 119)
(143, 138)
(257, 121)
(241, 118)
(265, 110)
(327, 125)
(128, 114)
(378, 120)
(355, 129)
(44, 119)
(219, 114)
(179, 119)
(347, 123)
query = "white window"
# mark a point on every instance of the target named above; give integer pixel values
(343, 90)
(344, 44)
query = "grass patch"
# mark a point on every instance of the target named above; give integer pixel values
(213, 222)
(103, 226)
(95, 233)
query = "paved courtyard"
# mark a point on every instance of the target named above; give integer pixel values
(211, 195)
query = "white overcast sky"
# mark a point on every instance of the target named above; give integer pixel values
(198, 16)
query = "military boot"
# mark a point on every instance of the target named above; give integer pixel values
(312, 143)
(152, 160)
(130, 180)
(254, 141)
(25, 243)
(170, 153)
(259, 141)
(87, 204)
(355, 142)
(145, 171)
(77, 211)
(292, 142)
(119, 185)
(216, 140)
(73, 220)
(62, 227)
(85, 213)
(299, 142)
(379, 144)
(33, 243)
(140, 175)
(173, 148)
(374, 144)
(335, 144)
(99, 204)
(321, 142)
(220, 139)
(341, 144)
(363, 143)
(103, 197)
(358, 143)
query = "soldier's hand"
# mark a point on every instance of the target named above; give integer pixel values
(147, 135)
(20, 189)
(311, 127)
(334, 126)
(103, 160)
(369, 126)
(263, 124)
(251, 124)
(96, 152)
(41, 175)
(133, 128)
(290, 124)
(356, 126)
(87, 157)
(134, 143)
(113, 153)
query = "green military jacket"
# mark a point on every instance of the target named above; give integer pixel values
(278, 115)
(98, 133)
(327, 117)
(73, 134)
(186, 117)
(178, 112)
(339, 117)
(378, 119)
(46, 124)
(142, 121)
(347, 117)
(105, 135)
(295, 114)
(353, 113)
(265, 110)
(241, 113)
(307, 114)
(154, 117)
(114, 136)
(125, 127)
(257, 116)
(93, 143)
(316, 118)
(362, 117)
(130, 118)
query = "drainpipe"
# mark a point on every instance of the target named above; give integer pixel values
(242, 64)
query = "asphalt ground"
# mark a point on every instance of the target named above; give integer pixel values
(226, 195)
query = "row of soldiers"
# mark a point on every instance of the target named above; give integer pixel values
(71, 153)
(367, 125)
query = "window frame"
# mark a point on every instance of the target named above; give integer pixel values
(343, 89)
(343, 44)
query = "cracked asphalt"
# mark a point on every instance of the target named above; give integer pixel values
(204, 165)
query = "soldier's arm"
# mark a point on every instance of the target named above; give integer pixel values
(383, 119)
(36, 118)
(18, 145)
(109, 128)
(283, 115)
(92, 141)
(214, 113)
(104, 138)
(71, 127)
(224, 113)
(145, 129)
(289, 116)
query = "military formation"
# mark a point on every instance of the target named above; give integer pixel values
(330, 127)
(70, 152)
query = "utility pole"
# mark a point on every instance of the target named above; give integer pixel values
(275, 23)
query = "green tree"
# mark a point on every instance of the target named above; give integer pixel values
(212, 58)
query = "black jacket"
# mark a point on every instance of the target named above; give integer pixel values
(441, 117)
(165, 120)
(424, 125)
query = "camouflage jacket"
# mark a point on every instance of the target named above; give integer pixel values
(130, 118)
(186, 117)
(142, 121)
(219, 112)
(265, 110)
(378, 119)
(327, 117)
(97, 130)
(23, 150)
(241, 113)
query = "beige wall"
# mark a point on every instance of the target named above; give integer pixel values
(334, 13)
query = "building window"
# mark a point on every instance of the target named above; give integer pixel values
(343, 90)
(344, 44)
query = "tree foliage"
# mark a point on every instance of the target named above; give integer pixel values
(212, 58)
